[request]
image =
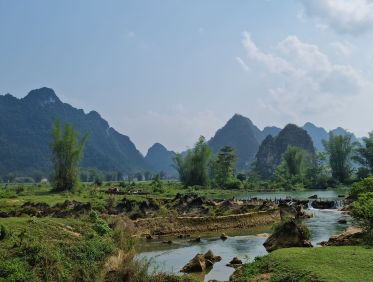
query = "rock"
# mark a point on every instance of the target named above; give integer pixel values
(196, 264)
(341, 196)
(235, 261)
(201, 262)
(263, 235)
(287, 235)
(342, 221)
(210, 256)
(167, 242)
(224, 236)
(323, 204)
(198, 239)
(350, 237)
(313, 197)
(149, 237)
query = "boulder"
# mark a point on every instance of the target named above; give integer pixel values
(288, 234)
(313, 197)
(224, 236)
(350, 237)
(210, 256)
(235, 262)
(201, 262)
(323, 204)
(342, 221)
(196, 264)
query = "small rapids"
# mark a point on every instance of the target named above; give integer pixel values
(245, 245)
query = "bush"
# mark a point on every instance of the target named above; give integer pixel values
(233, 183)
(363, 186)
(101, 227)
(3, 232)
(362, 211)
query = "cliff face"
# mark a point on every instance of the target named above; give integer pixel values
(240, 134)
(161, 159)
(271, 150)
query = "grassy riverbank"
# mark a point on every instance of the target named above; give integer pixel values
(332, 264)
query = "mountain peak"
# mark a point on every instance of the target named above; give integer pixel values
(42, 96)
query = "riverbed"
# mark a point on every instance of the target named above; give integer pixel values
(245, 244)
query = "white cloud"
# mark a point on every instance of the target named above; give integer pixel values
(241, 62)
(342, 48)
(307, 83)
(346, 16)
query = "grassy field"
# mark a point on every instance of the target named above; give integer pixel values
(329, 264)
(15, 195)
(52, 249)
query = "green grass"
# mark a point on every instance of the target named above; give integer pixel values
(329, 264)
(52, 249)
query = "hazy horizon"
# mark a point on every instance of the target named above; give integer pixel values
(169, 71)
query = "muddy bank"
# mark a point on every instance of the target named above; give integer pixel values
(188, 225)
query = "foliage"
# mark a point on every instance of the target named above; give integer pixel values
(290, 173)
(364, 153)
(3, 232)
(363, 186)
(317, 172)
(362, 211)
(193, 168)
(223, 168)
(340, 149)
(67, 153)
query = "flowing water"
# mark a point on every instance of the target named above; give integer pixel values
(245, 244)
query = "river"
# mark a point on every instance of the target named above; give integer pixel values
(245, 244)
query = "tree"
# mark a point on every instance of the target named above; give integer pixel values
(339, 149)
(67, 152)
(290, 173)
(362, 211)
(193, 168)
(364, 153)
(224, 166)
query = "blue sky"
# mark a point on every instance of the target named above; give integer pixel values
(169, 71)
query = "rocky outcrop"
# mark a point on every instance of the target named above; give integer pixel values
(352, 236)
(293, 210)
(235, 262)
(323, 204)
(201, 262)
(288, 234)
(270, 151)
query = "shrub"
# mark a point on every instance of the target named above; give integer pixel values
(363, 186)
(362, 211)
(101, 227)
(3, 232)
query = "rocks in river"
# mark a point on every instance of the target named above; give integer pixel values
(342, 221)
(167, 242)
(341, 196)
(288, 234)
(313, 197)
(323, 204)
(263, 235)
(224, 236)
(235, 262)
(149, 237)
(201, 262)
(351, 236)
(293, 209)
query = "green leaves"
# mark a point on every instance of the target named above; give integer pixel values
(67, 152)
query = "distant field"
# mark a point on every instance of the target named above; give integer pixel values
(331, 264)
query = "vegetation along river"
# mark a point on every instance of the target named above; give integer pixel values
(245, 244)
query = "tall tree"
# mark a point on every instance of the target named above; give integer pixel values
(339, 149)
(193, 168)
(67, 152)
(224, 166)
(294, 160)
(364, 152)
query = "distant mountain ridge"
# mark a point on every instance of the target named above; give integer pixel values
(25, 136)
(272, 148)
(160, 159)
